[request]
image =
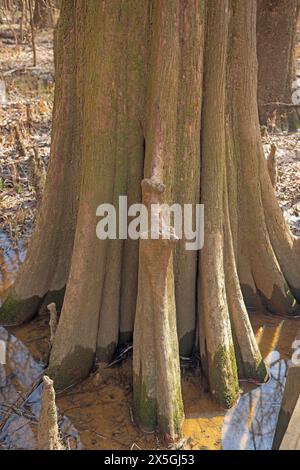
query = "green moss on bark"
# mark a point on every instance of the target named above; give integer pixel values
(75, 367)
(178, 417)
(256, 371)
(145, 408)
(17, 311)
(224, 377)
(150, 417)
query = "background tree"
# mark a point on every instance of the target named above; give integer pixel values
(43, 15)
(276, 41)
(169, 111)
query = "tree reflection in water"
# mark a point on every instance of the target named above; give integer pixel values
(251, 423)
(20, 397)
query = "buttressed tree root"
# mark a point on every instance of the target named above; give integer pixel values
(174, 106)
(156, 368)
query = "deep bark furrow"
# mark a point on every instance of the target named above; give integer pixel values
(157, 389)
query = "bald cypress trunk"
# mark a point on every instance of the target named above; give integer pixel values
(156, 371)
(48, 257)
(173, 96)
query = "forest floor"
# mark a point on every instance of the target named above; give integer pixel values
(26, 99)
(288, 167)
(101, 407)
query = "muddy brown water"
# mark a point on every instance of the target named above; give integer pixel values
(97, 413)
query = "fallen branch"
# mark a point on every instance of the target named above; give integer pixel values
(279, 103)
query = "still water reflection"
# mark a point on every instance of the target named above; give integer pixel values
(251, 424)
(20, 398)
(12, 256)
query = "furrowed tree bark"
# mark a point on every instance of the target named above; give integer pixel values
(219, 348)
(265, 273)
(106, 143)
(135, 121)
(187, 171)
(276, 40)
(122, 266)
(156, 369)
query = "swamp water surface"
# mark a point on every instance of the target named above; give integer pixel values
(20, 377)
(20, 399)
(250, 424)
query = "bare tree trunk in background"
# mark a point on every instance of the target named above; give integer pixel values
(23, 7)
(43, 14)
(32, 32)
(276, 40)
